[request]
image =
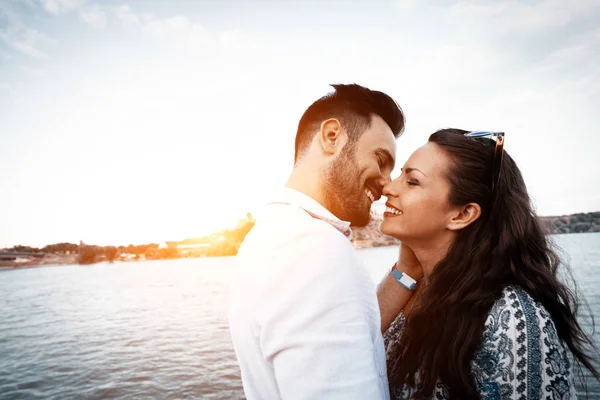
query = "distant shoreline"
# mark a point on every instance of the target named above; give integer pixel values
(57, 261)
(227, 242)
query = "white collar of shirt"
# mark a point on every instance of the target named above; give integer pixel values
(311, 206)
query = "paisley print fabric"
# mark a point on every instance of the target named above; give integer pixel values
(520, 356)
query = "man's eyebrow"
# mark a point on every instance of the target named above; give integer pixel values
(409, 170)
(386, 156)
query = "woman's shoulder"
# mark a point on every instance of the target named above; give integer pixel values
(521, 352)
(517, 310)
(516, 302)
(517, 315)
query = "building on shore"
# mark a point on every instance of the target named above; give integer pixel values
(190, 247)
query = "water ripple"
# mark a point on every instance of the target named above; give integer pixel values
(147, 330)
(128, 331)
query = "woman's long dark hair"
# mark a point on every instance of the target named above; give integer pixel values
(505, 246)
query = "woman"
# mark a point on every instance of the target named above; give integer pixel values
(488, 317)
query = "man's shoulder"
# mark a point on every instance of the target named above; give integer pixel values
(292, 240)
(281, 224)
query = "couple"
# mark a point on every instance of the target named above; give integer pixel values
(471, 309)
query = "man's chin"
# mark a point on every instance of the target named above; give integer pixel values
(360, 221)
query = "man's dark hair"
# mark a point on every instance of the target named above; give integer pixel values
(354, 106)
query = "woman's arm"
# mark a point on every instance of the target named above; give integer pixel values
(392, 296)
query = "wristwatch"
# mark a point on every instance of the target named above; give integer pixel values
(404, 279)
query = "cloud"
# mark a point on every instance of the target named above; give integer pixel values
(37, 72)
(6, 55)
(508, 16)
(25, 40)
(510, 46)
(180, 34)
(18, 36)
(126, 17)
(90, 13)
(56, 7)
(522, 17)
(94, 16)
(177, 30)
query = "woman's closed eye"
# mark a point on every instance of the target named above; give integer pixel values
(409, 181)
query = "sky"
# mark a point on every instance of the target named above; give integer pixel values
(145, 121)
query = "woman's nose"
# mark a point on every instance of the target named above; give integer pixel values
(389, 190)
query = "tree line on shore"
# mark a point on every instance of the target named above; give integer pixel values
(574, 223)
(227, 242)
(89, 254)
(220, 243)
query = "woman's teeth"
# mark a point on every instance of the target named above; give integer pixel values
(370, 195)
(392, 210)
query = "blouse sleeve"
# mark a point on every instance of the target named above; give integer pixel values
(392, 336)
(521, 355)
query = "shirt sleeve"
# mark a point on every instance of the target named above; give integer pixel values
(321, 332)
(521, 355)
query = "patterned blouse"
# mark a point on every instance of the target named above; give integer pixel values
(520, 356)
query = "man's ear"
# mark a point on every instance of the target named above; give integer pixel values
(332, 136)
(464, 217)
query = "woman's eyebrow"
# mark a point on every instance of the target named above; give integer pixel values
(409, 169)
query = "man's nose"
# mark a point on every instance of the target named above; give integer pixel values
(385, 179)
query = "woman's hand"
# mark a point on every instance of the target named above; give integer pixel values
(392, 296)
(408, 263)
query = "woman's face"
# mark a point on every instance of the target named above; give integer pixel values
(417, 206)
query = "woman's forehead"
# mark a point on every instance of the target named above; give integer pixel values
(430, 159)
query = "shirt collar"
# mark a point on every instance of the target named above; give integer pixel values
(294, 197)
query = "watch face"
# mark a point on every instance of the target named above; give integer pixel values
(407, 281)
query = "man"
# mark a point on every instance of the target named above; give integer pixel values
(303, 314)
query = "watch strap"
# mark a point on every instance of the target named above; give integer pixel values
(404, 279)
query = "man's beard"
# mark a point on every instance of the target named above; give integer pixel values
(344, 195)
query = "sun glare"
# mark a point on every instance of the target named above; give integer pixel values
(167, 163)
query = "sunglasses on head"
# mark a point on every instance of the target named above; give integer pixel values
(498, 137)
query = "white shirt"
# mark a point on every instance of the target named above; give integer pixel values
(303, 312)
